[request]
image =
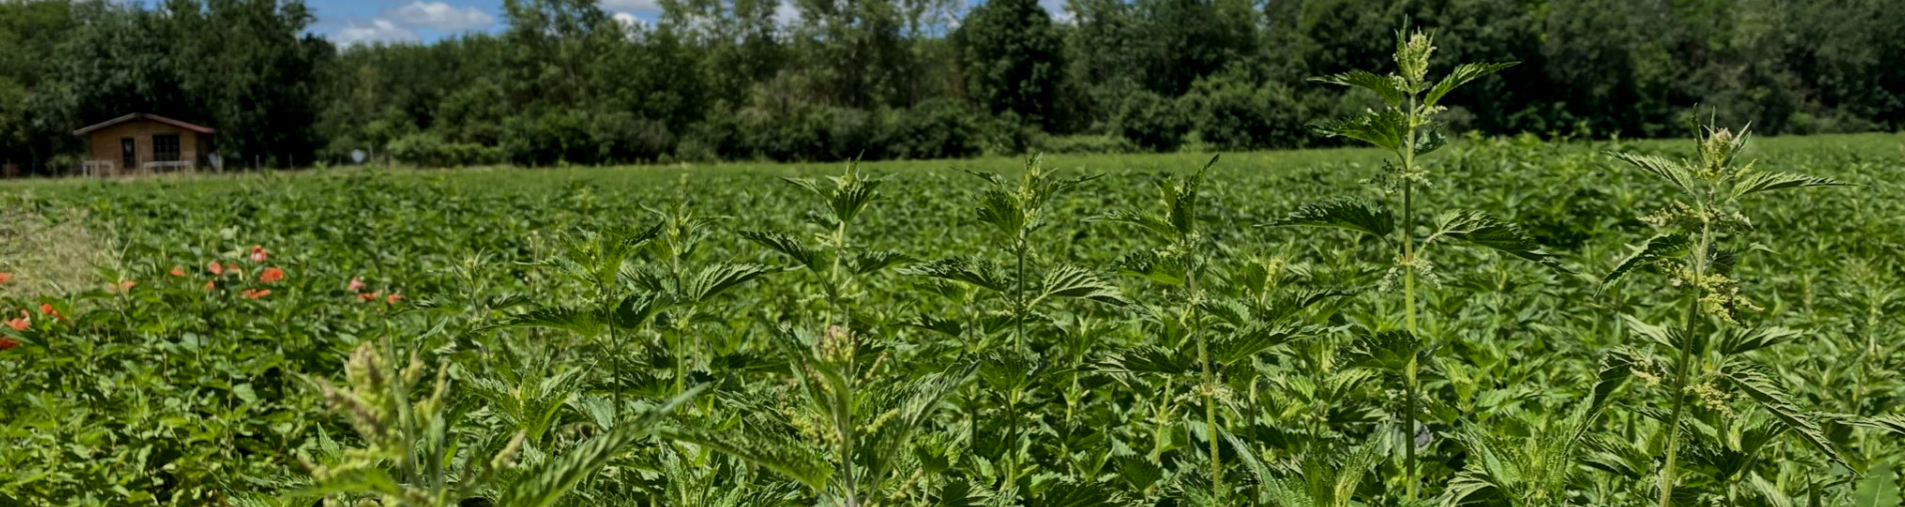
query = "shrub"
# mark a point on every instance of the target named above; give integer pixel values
(1150, 121)
(1234, 114)
(428, 149)
(937, 128)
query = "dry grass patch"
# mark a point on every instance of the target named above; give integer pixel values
(47, 251)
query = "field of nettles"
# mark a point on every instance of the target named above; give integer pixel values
(1540, 324)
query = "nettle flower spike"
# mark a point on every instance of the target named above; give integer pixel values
(1412, 56)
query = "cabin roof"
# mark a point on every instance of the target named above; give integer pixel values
(142, 116)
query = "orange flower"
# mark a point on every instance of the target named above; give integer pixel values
(258, 253)
(369, 296)
(355, 285)
(209, 285)
(394, 298)
(178, 271)
(7, 343)
(271, 275)
(254, 294)
(47, 308)
(5, 276)
(20, 324)
(215, 268)
(122, 286)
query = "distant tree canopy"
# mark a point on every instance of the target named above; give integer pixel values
(564, 82)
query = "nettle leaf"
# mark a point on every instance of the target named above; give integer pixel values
(789, 246)
(868, 262)
(849, 200)
(1742, 340)
(575, 320)
(1769, 395)
(713, 280)
(1149, 223)
(961, 269)
(1384, 128)
(1347, 214)
(1769, 181)
(1480, 229)
(1387, 87)
(948, 327)
(1238, 347)
(765, 449)
(1878, 488)
(637, 308)
(1389, 350)
(1674, 172)
(1892, 423)
(1462, 75)
(1002, 211)
(1079, 283)
(1165, 270)
(1180, 198)
(1429, 139)
(1664, 335)
(1150, 359)
(1664, 246)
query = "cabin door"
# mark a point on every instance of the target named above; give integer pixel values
(128, 154)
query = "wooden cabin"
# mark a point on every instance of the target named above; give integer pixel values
(142, 143)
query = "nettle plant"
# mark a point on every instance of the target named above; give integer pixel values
(1015, 211)
(856, 415)
(1406, 127)
(1710, 368)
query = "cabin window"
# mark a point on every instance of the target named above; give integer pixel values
(165, 148)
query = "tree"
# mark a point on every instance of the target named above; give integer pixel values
(1013, 59)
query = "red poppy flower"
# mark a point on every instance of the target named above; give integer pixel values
(258, 253)
(394, 298)
(369, 296)
(20, 324)
(209, 285)
(178, 271)
(47, 308)
(355, 285)
(271, 275)
(7, 343)
(255, 293)
(215, 268)
(5, 276)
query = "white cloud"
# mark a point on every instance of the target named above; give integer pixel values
(628, 20)
(375, 31)
(441, 16)
(637, 8)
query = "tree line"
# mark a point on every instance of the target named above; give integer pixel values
(566, 82)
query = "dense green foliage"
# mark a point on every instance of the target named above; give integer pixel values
(563, 82)
(916, 335)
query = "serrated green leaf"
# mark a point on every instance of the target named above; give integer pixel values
(1462, 74)
(789, 246)
(1674, 172)
(1769, 181)
(1074, 282)
(1480, 229)
(1384, 128)
(869, 262)
(575, 320)
(961, 269)
(1347, 214)
(1659, 247)
(1387, 87)
(718, 278)
(1878, 489)
(1770, 396)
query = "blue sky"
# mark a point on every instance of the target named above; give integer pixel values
(368, 21)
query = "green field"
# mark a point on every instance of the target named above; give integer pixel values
(711, 368)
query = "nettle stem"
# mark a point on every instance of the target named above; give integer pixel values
(1191, 297)
(843, 401)
(1684, 367)
(1407, 152)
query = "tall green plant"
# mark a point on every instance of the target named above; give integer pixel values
(1708, 364)
(1407, 129)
